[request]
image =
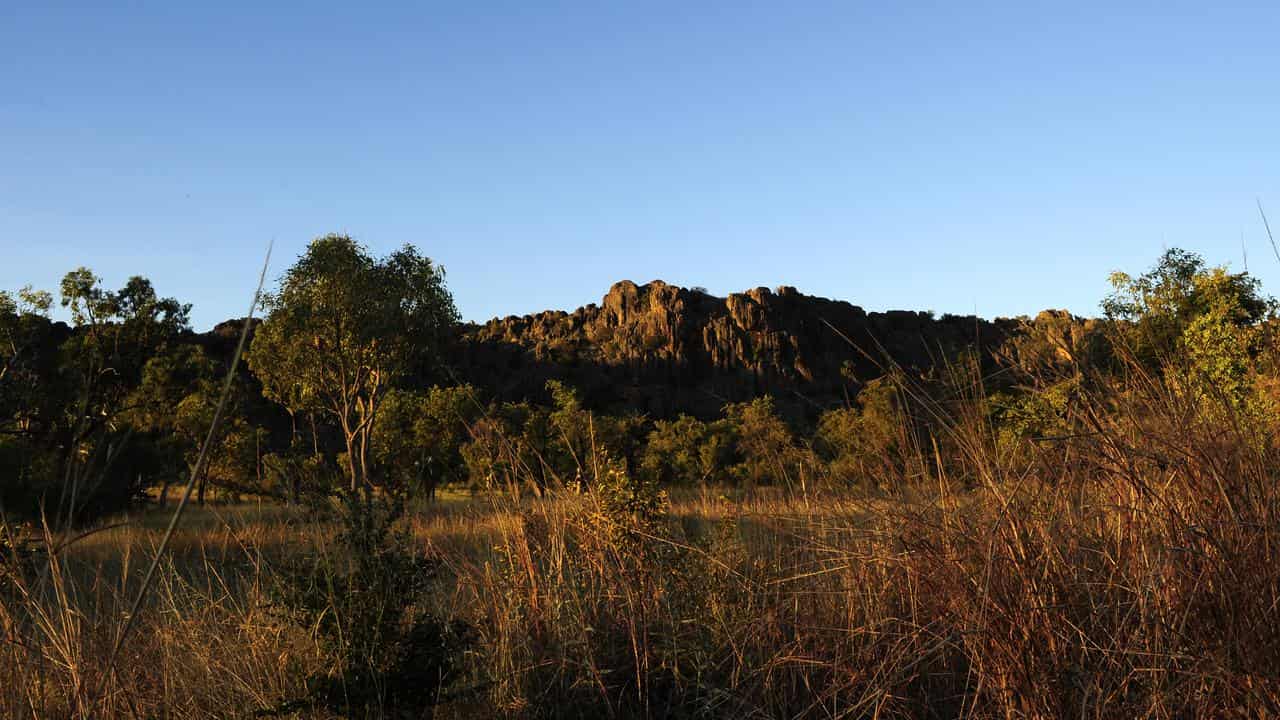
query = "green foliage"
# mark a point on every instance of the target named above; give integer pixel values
(569, 432)
(21, 320)
(765, 448)
(297, 476)
(419, 437)
(572, 437)
(1203, 324)
(522, 444)
(66, 395)
(858, 441)
(28, 350)
(366, 606)
(750, 445)
(344, 329)
(507, 448)
(629, 506)
(175, 405)
(1181, 288)
(687, 451)
(1040, 412)
(672, 453)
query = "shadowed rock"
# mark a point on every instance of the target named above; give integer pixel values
(663, 349)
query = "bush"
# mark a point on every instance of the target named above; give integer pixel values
(862, 443)
(364, 603)
(686, 451)
(765, 449)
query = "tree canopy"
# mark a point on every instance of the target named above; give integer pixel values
(344, 328)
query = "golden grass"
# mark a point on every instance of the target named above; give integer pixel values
(1130, 571)
(1047, 602)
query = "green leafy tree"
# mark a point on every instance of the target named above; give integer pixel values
(1183, 314)
(116, 334)
(570, 430)
(27, 347)
(573, 441)
(496, 455)
(765, 445)
(31, 397)
(176, 402)
(861, 443)
(687, 451)
(629, 508)
(419, 438)
(22, 317)
(101, 363)
(344, 329)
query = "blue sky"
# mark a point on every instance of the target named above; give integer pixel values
(997, 157)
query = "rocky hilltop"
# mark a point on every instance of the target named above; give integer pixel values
(663, 349)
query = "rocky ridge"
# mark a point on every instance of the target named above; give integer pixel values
(663, 349)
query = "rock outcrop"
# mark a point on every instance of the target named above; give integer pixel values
(662, 349)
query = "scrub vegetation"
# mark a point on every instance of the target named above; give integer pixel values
(1081, 521)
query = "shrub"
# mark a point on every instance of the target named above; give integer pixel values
(860, 443)
(766, 452)
(364, 603)
(683, 451)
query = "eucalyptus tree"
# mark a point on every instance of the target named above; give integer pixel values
(24, 340)
(343, 329)
(66, 393)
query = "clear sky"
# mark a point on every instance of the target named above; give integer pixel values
(960, 157)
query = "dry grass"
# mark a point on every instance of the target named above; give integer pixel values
(1129, 571)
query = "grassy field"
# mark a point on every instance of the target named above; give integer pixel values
(1125, 570)
(1084, 524)
(1082, 597)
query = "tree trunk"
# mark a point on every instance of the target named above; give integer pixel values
(351, 460)
(427, 478)
(364, 447)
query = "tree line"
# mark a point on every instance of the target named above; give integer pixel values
(345, 388)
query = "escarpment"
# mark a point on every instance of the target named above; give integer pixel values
(663, 350)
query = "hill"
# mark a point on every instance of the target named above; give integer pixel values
(664, 349)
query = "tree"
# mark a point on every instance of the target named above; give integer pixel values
(103, 361)
(66, 393)
(764, 443)
(419, 437)
(175, 384)
(499, 454)
(571, 440)
(1186, 315)
(1180, 288)
(27, 347)
(176, 402)
(344, 329)
(21, 318)
(116, 334)
(863, 442)
(570, 429)
(686, 451)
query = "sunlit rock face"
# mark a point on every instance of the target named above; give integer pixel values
(662, 349)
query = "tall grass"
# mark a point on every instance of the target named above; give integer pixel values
(205, 643)
(1126, 569)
